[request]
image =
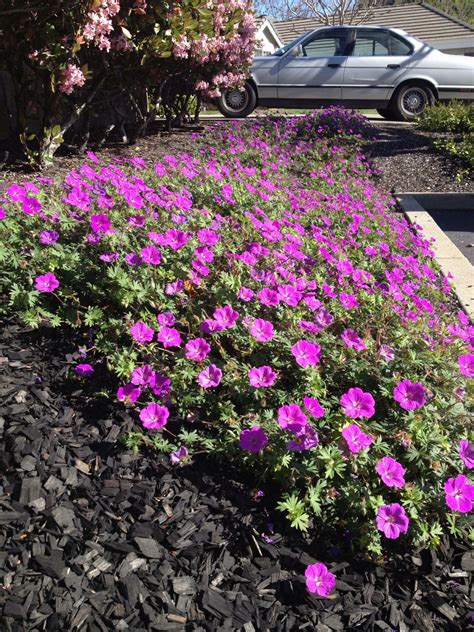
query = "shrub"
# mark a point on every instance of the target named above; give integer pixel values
(260, 301)
(454, 117)
(63, 59)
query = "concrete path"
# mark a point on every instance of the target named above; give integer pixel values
(429, 213)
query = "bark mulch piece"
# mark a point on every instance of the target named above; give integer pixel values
(94, 538)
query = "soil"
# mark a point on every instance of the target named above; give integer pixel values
(96, 538)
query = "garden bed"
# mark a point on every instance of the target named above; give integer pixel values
(281, 344)
(94, 538)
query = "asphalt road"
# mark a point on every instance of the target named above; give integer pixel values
(454, 214)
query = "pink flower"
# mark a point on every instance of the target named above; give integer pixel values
(410, 395)
(313, 407)
(466, 364)
(306, 439)
(245, 294)
(466, 452)
(100, 223)
(391, 472)
(358, 404)
(151, 255)
(71, 77)
(48, 237)
(392, 520)
(291, 417)
(319, 580)
(197, 349)
(84, 370)
(210, 377)
(352, 340)
(179, 455)
(142, 375)
(142, 333)
(46, 282)
(169, 337)
(226, 316)
(262, 376)
(166, 318)
(268, 297)
(356, 439)
(154, 416)
(459, 494)
(261, 330)
(128, 393)
(387, 353)
(306, 353)
(253, 439)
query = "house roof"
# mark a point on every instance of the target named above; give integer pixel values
(419, 20)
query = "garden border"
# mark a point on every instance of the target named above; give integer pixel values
(447, 254)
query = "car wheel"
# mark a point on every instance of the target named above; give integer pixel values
(237, 103)
(410, 101)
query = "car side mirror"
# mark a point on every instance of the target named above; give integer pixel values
(297, 50)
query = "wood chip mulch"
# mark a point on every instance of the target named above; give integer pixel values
(94, 538)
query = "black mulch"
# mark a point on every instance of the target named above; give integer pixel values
(93, 538)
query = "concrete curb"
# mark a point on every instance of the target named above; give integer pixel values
(448, 256)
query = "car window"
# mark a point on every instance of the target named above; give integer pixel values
(284, 49)
(373, 43)
(328, 44)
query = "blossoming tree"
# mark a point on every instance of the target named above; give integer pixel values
(62, 55)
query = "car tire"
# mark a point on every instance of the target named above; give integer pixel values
(410, 101)
(386, 113)
(237, 103)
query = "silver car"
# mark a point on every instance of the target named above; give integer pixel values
(356, 66)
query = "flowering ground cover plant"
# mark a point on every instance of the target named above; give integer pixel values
(260, 301)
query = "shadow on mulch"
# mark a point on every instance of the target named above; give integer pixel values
(94, 538)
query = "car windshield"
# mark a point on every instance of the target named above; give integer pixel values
(284, 49)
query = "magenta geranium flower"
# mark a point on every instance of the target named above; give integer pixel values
(262, 376)
(46, 282)
(319, 580)
(261, 330)
(210, 377)
(197, 349)
(154, 416)
(128, 393)
(100, 223)
(353, 340)
(291, 417)
(358, 404)
(356, 439)
(151, 255)
(142, 333)
(226, 316)
(253, 439)
(245, 294)
(48, 237)
(166, 318)
(84, 370)
(410, 395)
(466, 452)
(179, 455)
(268, 297)
(391, 472)
(306, 439)
(313, 407)
(387, 353)
(142, 375)
(459, 494)
(466, 364)
(306, 353)
(392, 520)
(169, 337)
(160, 385)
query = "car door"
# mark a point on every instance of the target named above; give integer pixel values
(377, 61)
(316, 72)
